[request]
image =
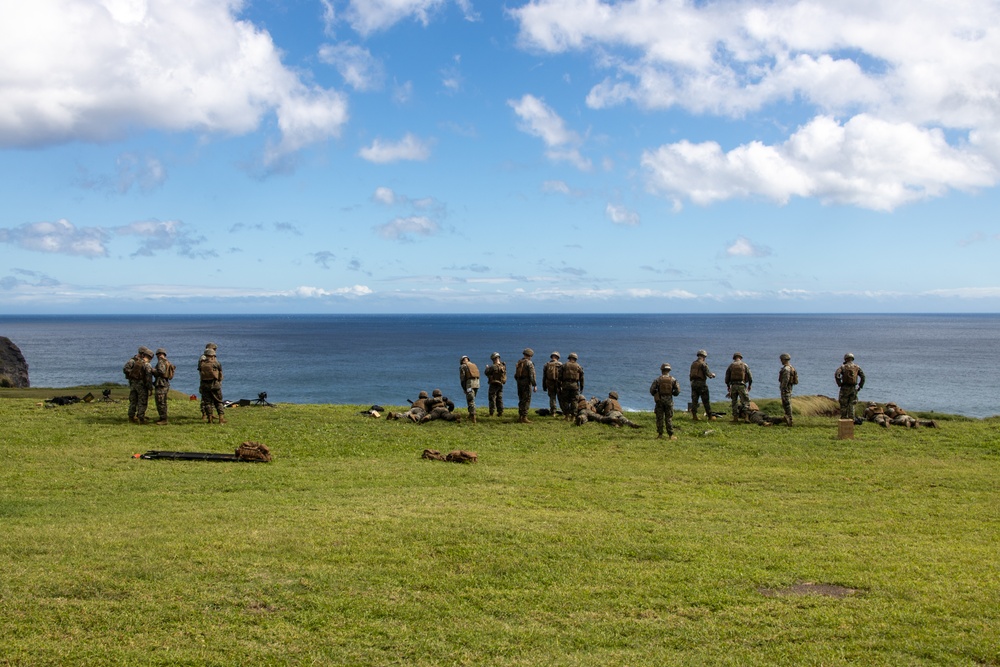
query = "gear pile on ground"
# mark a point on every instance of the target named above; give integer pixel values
(457, 456)
(253, 451)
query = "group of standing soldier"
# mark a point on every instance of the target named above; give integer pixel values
(143, 378)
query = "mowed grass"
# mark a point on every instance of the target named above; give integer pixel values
(564, 545)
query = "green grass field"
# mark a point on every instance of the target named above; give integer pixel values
(564, 545)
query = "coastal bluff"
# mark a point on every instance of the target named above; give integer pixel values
(13, 367)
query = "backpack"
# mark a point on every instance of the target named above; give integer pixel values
(849, 376)
(133, 369)
(521, 370)
(167, 372)
(207, 371)
(738, 372)
(570, 373)
(552, 371)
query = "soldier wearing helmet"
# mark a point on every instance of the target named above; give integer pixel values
(163, 372)
(788, 377)
(699, 376)
(550, 380)
(739, 380)
(663, 390)
(139, 374)
(468, 377)
(570, 385)
(524, 375)
(850, 378)
(496, 374)
(210, 374)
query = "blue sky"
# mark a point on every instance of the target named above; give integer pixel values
(218, 156)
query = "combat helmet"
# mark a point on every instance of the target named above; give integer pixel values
(528, 352)
(554, 354)
(572, 356)
(436, 392)
(422, 394)
(464, 357)
(209, 352)
(664, 367)
(737, 355)
(701, 353)
(145, 351)
(785, 356)
(211, 345)
(160, 350)
(848, 357)
(495, 355)
(613, 394)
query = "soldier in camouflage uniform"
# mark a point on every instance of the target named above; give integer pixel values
(570, 385)
(585, 410)
(139, 374)
(496, 374)
(873, 413)
(524, 375)
(788, 377)
(418, 409)
(739, 381)
(612, 413)
(850, 378)
(550, 381)
(753, 414)
(164, 373)
(663, 390)
(440, 407)
(699, 376)
(898, 417)
(210, 373)
(468, 376)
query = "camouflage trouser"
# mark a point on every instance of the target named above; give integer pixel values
(664, 416)
(568, 396)
(740, 398)
(160, 395)
(440, 413)
(553, 400)
(138, 399)
(848, 397)
(211, 397)
(496, 399)
(523, 398)
(786, 404)
(470, 400)
(699, 390)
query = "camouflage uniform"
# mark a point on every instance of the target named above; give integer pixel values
(139, 374)
(418, 409)
(496, 373)
(663, 390)
(753, 414)
(898, 417)
(611, 412)
(699, 376)
(163, 372)
(524, 375)
(873, 413)
(585, 410)
(550, 380)
(788, 377)
(210, 372)
(468, 376)
(570, 385)
(739, 380)
(850, 378)
(439, 407)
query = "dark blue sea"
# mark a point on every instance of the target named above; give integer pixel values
(946, 363)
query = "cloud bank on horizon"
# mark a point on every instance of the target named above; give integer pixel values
(550, 155)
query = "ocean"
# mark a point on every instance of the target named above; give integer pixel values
(944, 363)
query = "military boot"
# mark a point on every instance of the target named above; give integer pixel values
(222, 420)
(162, 422)
(208, 419)
(694, 417)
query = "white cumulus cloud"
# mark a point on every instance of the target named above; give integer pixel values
(620, 215)
(92, 71)
(540, 120)
(897, 102)
(406, 228)
(409, 147)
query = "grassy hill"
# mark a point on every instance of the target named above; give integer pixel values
(564, 545)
